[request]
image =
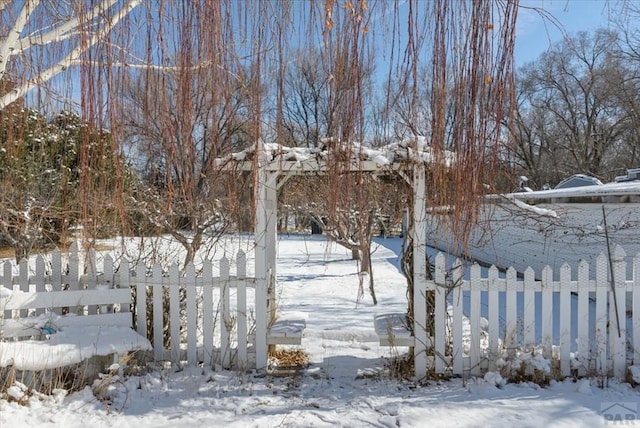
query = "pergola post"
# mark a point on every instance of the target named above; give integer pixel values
(418, 235)
(271, 230)
(266, 242)
(261, 266)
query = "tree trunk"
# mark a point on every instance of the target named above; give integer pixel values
(367, 266)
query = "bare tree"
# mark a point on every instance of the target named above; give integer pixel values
(570, 118)
(181, 119)
(305, 109)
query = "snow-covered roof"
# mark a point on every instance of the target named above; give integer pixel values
(363, 157)
(608, 189)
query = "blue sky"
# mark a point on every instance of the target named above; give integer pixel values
(534, 34)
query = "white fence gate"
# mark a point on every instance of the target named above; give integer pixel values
(587, 323)
(189, 318)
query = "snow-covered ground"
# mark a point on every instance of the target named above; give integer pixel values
(345, 384)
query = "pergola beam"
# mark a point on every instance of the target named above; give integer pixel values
(311, 166)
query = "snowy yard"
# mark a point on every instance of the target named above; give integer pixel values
(344, 385)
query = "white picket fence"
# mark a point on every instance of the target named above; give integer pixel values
(481, 321)
(210, 319)
(199, 316)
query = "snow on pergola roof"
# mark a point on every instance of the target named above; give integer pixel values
(300, 160)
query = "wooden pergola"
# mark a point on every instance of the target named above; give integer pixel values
(273, 166)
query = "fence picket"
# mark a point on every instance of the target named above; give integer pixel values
(175, 287)
(440, 314)
(208, 316)
(565, 320)
(192, 315)
(583, 317)
(511, 322)
(73, 275)
(261, 323)
(617, 332)
(90, 279)
(494, 316)
(124, 275)
(474, 319)
(7, 281)
(23, 267)
(457, 307)
(141, 300)
(106, 280)
(547, 310)
(225, 341)
(602, 288)
(529, 326)
(241, 273)
(157, 288)
(38, 279)
(636, 313)
(56, 271)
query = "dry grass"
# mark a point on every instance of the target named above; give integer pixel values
(290, 358)
(43, 382)
(401, 366)
(20, 386)
(6, 252)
